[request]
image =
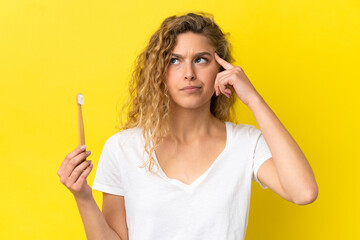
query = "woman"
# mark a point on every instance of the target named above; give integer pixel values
(179, 120)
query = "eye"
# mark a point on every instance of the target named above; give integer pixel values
(202, 58)
(172, 60)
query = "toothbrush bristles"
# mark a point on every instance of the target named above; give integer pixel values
(80, 99)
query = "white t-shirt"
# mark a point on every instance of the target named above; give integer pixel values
(214, 206)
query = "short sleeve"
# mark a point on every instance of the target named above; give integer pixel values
(261, 153)
(108, 177)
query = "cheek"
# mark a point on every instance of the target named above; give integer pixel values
(171, 74)
(210, 75)
(213, 70)
(171, 88)
(168, 79)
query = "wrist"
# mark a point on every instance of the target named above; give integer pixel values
(255, 100)
(83, 200)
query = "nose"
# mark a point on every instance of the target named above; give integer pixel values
(189, 72)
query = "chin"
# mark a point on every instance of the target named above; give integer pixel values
(190, 104)
(192, 101)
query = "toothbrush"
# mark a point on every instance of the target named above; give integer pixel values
(80, 101)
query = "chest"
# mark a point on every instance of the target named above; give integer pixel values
(187, 162)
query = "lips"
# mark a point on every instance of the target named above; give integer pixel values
(189, 87)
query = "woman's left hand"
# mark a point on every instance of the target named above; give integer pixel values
(234, 78)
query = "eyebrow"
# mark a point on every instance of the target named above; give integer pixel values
(196, 55)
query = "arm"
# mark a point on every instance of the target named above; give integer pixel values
(114, 212)
(94, 222)
(294, 172)
(288, 172)
(73, 173)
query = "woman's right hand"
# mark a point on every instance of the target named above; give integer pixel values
(74, 171)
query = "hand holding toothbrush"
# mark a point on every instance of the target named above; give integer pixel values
(75, 168)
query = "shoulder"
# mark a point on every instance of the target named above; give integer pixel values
(242, 129)
(124, 137)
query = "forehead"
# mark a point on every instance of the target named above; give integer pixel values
(192, 42)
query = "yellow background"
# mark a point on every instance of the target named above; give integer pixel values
(301, 56)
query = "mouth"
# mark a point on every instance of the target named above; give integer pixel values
(190, 89)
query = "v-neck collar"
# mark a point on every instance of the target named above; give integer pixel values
(201, 177)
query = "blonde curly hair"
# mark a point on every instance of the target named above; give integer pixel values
(148, 106)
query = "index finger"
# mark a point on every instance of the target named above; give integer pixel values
(71, 155)
(222, 62)
(76, 151)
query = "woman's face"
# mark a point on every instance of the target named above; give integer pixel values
(192, 71)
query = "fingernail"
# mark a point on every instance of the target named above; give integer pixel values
(83, 147)
(88, 153)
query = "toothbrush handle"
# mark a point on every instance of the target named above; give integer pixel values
(81, 127)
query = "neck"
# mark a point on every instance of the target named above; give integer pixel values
(187, 125)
